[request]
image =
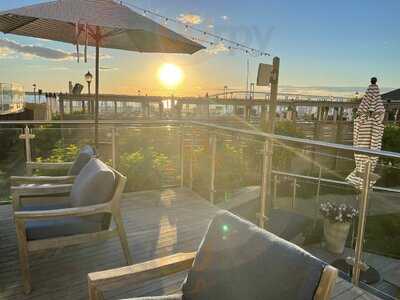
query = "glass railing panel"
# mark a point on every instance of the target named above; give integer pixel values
(56, 143)
(306, 181)
(238, 174)
(201, 161)
(381, 251)
(149, 156)
(12, 159)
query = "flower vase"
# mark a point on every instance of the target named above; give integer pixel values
(335, 236)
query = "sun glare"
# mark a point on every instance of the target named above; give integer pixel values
(170, 75)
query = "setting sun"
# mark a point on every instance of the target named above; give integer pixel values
(170, 75)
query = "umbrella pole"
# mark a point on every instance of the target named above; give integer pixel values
(96, 117)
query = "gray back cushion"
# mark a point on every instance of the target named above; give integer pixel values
(95, 184)
(84, 156)
(237, 260)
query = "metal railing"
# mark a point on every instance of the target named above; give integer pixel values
(268, 175)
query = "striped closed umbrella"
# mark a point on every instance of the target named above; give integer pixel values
(98, 23)
(368, 133)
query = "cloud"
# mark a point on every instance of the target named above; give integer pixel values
(344, 91)
(5, 52)
(30, 51)
(217, 48)
(225, 18)
(7, 47)
(190, 19)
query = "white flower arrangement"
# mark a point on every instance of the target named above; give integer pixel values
(338, 213)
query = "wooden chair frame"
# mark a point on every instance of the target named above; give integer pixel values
(25, 247)
(19, 180)
(103, 281)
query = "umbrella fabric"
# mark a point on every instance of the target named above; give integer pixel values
(120, 27)
(368, 133)
(99, 23)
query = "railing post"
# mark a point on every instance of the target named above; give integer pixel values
(213, 166)
(191, 162)
(294, 193)
(114, 147)
(363, 207)
(275, 190)
(265, 183)
(318, 192)
(28, 150)
(182, 154)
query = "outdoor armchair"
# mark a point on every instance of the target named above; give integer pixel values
(236, 260)
(93, 201)
(72, 169)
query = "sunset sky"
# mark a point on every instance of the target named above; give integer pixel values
(325, 47)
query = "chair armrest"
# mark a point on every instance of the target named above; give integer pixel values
(48, 166)
(40, 190)
(26, 191)
(18, 180)
(105, 280)
(62, 213)
(326, 284)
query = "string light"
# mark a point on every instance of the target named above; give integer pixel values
(233, 45)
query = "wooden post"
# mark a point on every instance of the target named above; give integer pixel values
(363, 211)
(115, 109)
(266, 196)
(274, 95)
(213, 166)
(71, 107)
(61, 103)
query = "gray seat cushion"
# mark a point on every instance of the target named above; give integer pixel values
(237, 260)
(45, 229)
(95, 184)
(84, 156)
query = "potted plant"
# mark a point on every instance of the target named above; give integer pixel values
(337, 222)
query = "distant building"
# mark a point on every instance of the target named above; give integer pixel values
(392, 96)
(12, 98)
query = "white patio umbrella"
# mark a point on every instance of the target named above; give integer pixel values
(368, 133)
(97, 23)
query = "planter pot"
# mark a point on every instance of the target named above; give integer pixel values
(335, 236)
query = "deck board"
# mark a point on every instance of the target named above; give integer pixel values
(157, 224)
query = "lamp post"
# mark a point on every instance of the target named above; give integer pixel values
(34, 92)
(89, 78)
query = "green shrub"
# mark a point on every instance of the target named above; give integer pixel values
(144, 169)
(58, 154)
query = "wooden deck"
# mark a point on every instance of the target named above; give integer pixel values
(157, 224)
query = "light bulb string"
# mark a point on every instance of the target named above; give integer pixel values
(233, 45)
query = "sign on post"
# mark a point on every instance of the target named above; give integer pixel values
(264, 76)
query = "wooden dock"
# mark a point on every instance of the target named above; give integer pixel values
(158, 223)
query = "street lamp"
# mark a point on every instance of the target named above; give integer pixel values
(89, 78)
(34, 92)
